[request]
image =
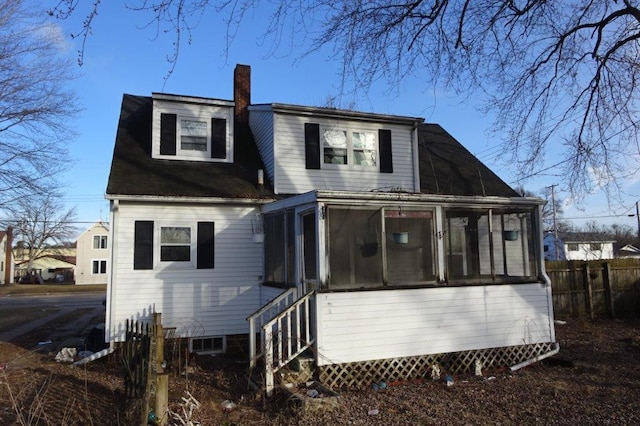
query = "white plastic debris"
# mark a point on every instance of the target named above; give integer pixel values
(228, 406)
(373, 412)
(66, 355)
(435, 372)
(478, 367)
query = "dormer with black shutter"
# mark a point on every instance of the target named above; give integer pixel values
(311, 148)
(192, 128)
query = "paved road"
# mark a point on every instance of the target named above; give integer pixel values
(61, 301)
(52, 307)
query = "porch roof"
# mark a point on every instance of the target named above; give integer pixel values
(405, 198)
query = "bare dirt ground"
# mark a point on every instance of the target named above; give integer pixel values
(594, 379)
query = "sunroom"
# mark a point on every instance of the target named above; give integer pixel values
(394, 278)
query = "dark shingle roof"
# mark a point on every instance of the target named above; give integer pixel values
(134, 172)
(448, 168)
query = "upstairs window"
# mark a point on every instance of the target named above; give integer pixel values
(356, 148)
(193, 135)
(99, 242)
(193, 138)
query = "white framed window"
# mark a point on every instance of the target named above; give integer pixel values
(209, 344)
(573, 247)
(99, 242)
(99, 267)
(193, 135)
(175, 244)
(358, 148)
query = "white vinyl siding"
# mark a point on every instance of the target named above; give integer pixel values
(361, 326)
(198, 302)
(290, 176)
(193, 111)
(261, 123)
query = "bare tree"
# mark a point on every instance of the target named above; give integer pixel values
(36, 108)
(40, 226)
(558, 75)
(547, 209)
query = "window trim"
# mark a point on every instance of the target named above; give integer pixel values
(101, 238)
(147, 251)
(173, 264)
(99, 263)
(350, 155)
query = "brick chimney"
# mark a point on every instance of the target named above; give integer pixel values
(242, 94)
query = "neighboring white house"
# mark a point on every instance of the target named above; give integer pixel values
(6, 257)
(92, 255)
(381, 238)
(578, 247)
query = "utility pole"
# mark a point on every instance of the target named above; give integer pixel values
(555, 227)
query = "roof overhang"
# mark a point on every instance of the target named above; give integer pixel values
(185, 200)
(408, 199)
(336, 113)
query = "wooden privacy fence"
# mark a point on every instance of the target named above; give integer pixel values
(601, 288)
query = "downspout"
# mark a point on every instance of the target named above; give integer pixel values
(555, 350)
(112, 268)
(416, 158)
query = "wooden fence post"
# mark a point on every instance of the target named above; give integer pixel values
(608, 290)
(588, 290)
(161, 378)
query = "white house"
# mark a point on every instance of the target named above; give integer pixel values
(92, 255)
(577, 246)
(375, 239)
(6, 257)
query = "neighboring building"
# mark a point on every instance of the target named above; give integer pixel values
(46, 269)
(52, 264)
(579, 247)
(373, 238)
(553, 247)
(6, 257)
(92, 258)
(628, 251)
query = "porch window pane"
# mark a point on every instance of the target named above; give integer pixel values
(355, 252)
(274, 248)
(410, 261)
(492, 245)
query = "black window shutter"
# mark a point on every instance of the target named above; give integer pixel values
(386, 157)
(312, 145)
(205, 254)
(143, 245)
(218, 138)
(168, 134)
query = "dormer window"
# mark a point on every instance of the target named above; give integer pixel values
(193, 135)
(192, 129)
(358, 148)
(332, 147)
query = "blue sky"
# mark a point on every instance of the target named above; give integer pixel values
(123, 57)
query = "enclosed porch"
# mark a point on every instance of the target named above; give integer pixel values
(384, 285)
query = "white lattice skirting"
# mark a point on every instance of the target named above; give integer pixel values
(357, 374)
